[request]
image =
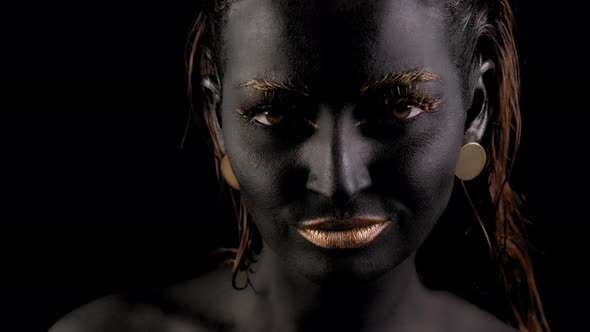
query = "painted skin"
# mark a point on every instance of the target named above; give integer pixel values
(399, 170)
(324, 150)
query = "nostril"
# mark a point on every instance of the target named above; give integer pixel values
(313, 178)
(340, 190)
(340, 184)
(320, 185)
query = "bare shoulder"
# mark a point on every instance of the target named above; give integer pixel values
(195, 305)
(209, 297)
(111, 313)
(464, 316)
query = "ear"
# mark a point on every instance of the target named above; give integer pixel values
(478, 114)
(212, 101)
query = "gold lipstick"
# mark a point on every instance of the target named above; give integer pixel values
(332, 233)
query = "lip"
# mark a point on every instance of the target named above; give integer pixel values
(332, 233)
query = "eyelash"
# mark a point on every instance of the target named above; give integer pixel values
(270, 102)
(400, 96)
(411, 96)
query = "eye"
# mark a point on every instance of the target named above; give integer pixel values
(404, 111)
(280, 116)
(270, 117)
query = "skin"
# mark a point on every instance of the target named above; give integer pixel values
(399, 170)
(341, 169)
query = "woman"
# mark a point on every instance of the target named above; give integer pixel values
(346, 130)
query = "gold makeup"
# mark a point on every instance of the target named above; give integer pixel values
(267, 86)
(391, 95)
(331, 233)
(404, 78)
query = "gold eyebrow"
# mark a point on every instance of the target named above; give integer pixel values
(406, 78)
(267, 86)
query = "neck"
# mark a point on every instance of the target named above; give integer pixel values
(300, 304)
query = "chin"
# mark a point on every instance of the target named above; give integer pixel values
(346, 266)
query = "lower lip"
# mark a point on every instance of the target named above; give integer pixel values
(343, 239)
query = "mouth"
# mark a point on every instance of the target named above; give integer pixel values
(331, 233)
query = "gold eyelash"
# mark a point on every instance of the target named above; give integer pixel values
(409, 95)
(403, 79)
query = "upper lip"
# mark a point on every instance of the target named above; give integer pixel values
(334, 224)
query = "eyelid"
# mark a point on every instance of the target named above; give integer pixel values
(268, 99)
(258, 107)
(413, 96)
(252, 107)
(377, 105)
(255, 116)
(400, 95)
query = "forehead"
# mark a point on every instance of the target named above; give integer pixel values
(333, 42)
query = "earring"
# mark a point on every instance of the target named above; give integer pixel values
(472, 159)
(228, 173)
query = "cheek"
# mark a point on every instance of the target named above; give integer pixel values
(257, 165)
(431, 166)
(432, 177)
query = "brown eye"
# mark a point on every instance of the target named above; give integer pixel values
(269, 118)
(404, 111)
(274, 118)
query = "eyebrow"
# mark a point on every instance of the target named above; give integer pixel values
(404, 78)
(267, 86)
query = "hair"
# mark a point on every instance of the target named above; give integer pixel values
(489, 30)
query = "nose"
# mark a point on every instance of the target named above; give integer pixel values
(338, 163)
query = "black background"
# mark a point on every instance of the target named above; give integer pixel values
(97, 196)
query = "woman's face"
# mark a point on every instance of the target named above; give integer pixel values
(342, 111)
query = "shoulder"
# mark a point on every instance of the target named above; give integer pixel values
(209, 297)
(460, 315)
(196, 305)
(111, 313)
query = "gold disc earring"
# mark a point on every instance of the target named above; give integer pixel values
(472, 159)
(228, 173)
